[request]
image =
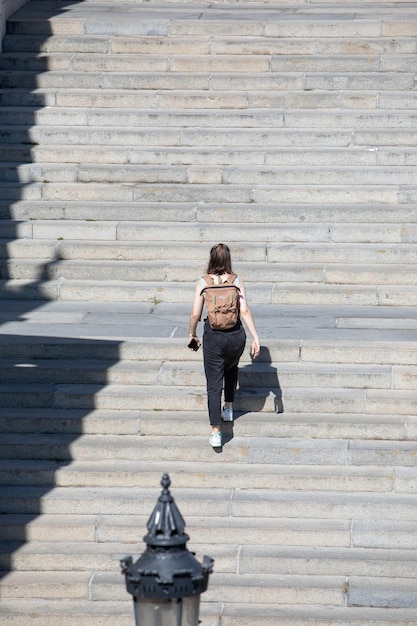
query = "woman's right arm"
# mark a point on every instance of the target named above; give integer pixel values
(196, 312)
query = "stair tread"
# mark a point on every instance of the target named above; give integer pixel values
(256, 612)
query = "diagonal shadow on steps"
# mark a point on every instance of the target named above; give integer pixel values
(258, 382)
(38, 421)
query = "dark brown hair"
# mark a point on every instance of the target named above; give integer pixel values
(220, 261)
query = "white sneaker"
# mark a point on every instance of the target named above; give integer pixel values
(216, 440)
(227, 414)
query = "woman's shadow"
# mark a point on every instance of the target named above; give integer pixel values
(258, 383)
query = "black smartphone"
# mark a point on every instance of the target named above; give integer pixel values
(193, 345)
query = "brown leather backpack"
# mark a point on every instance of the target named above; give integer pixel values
(222, 302)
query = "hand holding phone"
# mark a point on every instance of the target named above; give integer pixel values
(194, 344)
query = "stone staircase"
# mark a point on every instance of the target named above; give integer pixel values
(296, 146)
(133, 137)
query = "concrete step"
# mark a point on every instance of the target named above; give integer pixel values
(235, 119)
(286, 425)
(175, 22)
(216, 62)
(100, 270)
(82, 372)
(269, 589)
(25, 420)
(266, 375)
(119, 155)
(383, 534)
(16, 153)
(113, 475)
(80, 612)
(65, 43)
(36, 13)
(210, 156)
(129, 422)
(239, 99)
(229, 126)
(251, 560)
(19, 248)
(275, 590)
(326, 561)
(268, 236)
(289, 294)
(138, 174)
(215, 57)
(369, 214)
(174, 374)
(257, 252)
(365, 534)
(372, 326)
(250, 449)
(238, 130)
(202, 191)
(162, 397)
(27, 97)
(165, 346)
(108, 349)
(109, 586)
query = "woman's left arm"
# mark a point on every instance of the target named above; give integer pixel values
(246, 315)
(196, 311)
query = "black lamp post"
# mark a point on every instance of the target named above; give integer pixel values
(166, 581)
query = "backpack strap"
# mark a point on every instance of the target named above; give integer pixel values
(207, 281)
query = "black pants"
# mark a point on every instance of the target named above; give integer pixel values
(222, 351)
